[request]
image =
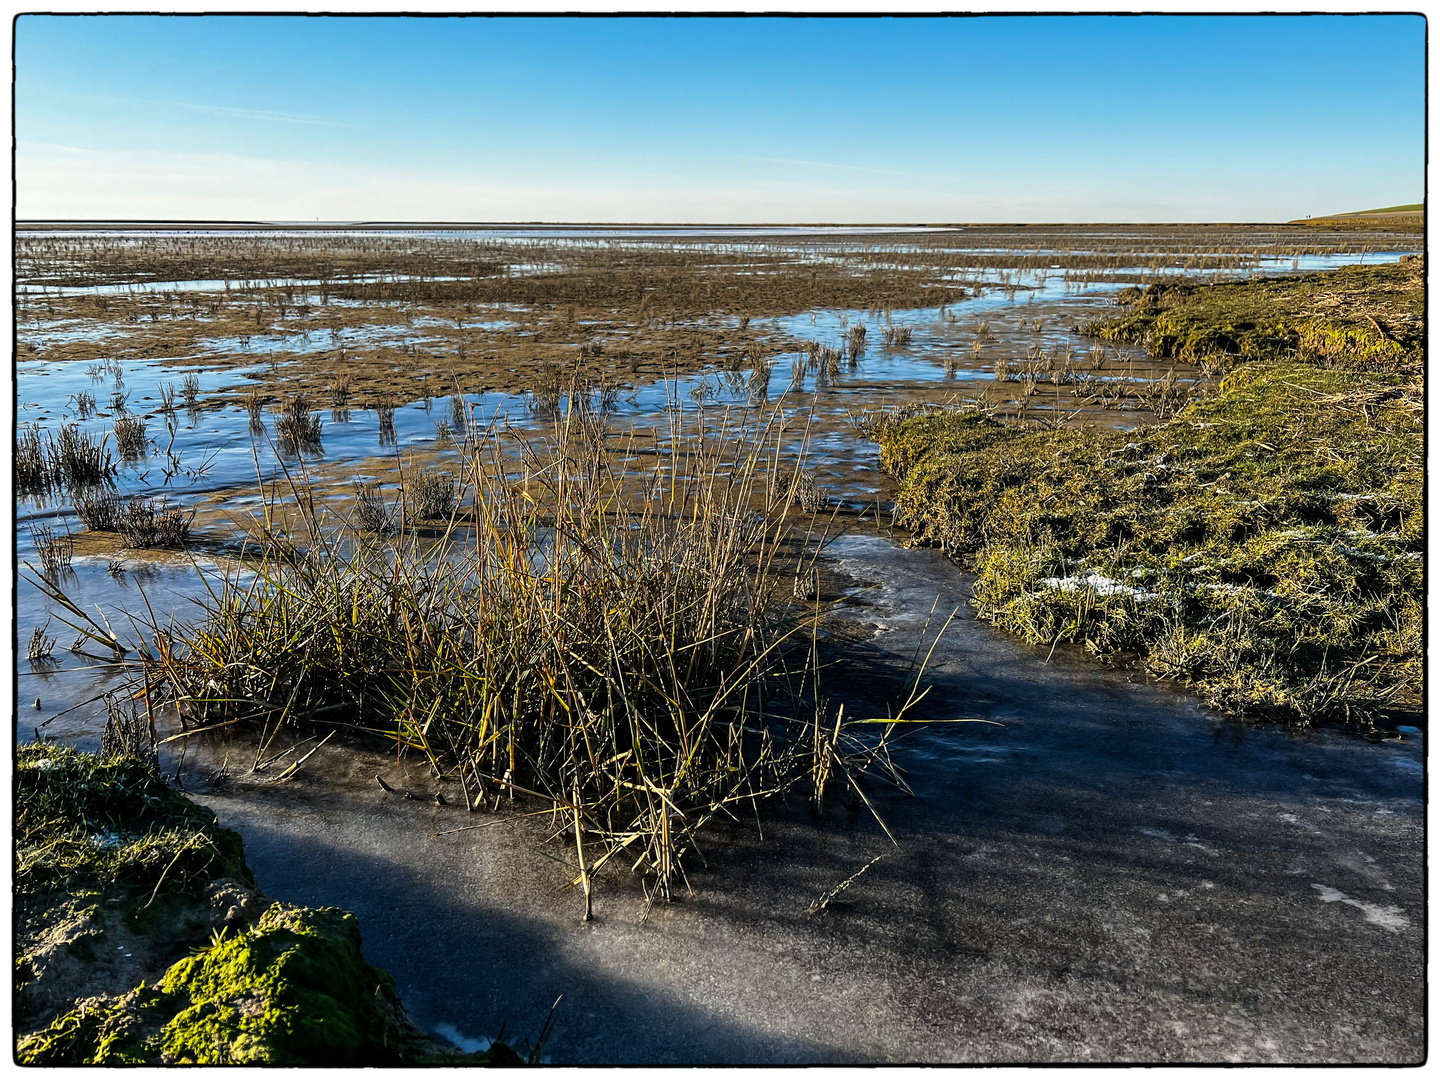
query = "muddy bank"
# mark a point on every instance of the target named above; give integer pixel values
(1113, 875)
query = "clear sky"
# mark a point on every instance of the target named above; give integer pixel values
(1093, 118)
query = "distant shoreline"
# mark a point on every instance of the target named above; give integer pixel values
(657, 228)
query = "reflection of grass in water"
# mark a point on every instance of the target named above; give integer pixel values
(130, 438)
(1265, 545)
(55, 550)
(614, 645)
(298, 431)
(32, 465)
(70, 458)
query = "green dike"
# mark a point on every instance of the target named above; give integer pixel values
(110, 859)
(1265, 546)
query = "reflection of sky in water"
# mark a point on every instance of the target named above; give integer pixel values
(215, 450)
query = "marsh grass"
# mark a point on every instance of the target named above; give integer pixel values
(371, 513)
(298, 431)
(73, 458)
(255, 408)
(33, 474)
(1264, 544)
(385, 420)
(152, 523)
(54, 550)
(98, 508)
(130, 438)
(431, 496)
(616, 645)
(340, 390)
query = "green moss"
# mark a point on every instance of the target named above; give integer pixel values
(1368, 318)
(112, 820)
(99, 834)
(1265, 546)
(294, 990)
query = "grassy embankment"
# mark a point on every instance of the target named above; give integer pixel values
(141, 937)
(1265, 546)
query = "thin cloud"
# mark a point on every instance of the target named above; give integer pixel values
(264, 115)
(820, 164)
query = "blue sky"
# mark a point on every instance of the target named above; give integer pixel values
(743, 120)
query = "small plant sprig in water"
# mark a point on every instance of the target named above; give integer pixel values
(42, 646)
(153, 523)
(130, 438)
(297, 430)
(55, 550)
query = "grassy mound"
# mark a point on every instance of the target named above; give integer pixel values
(1266, 546)
(1364, 318)
(121, 880)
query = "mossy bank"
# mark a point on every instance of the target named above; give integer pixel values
(1266, 546)
(141, 938)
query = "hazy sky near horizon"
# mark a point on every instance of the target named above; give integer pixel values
(1091, 118)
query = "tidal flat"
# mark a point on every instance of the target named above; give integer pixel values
(834, 647)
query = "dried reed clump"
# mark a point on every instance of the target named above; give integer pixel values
(298, 430)
(153, 523)
(803, 492)
(74, 458)
(85, 404)
(431, 496)
(130, 438)
(897, 336)
(385, 420)
(98, 508)
(340, 392)
(1164, 397)
(254, 406)
(372, 514)
(546, 389)
(876, 424)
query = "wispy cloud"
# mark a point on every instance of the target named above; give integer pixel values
(820, 164)
(264, 115)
